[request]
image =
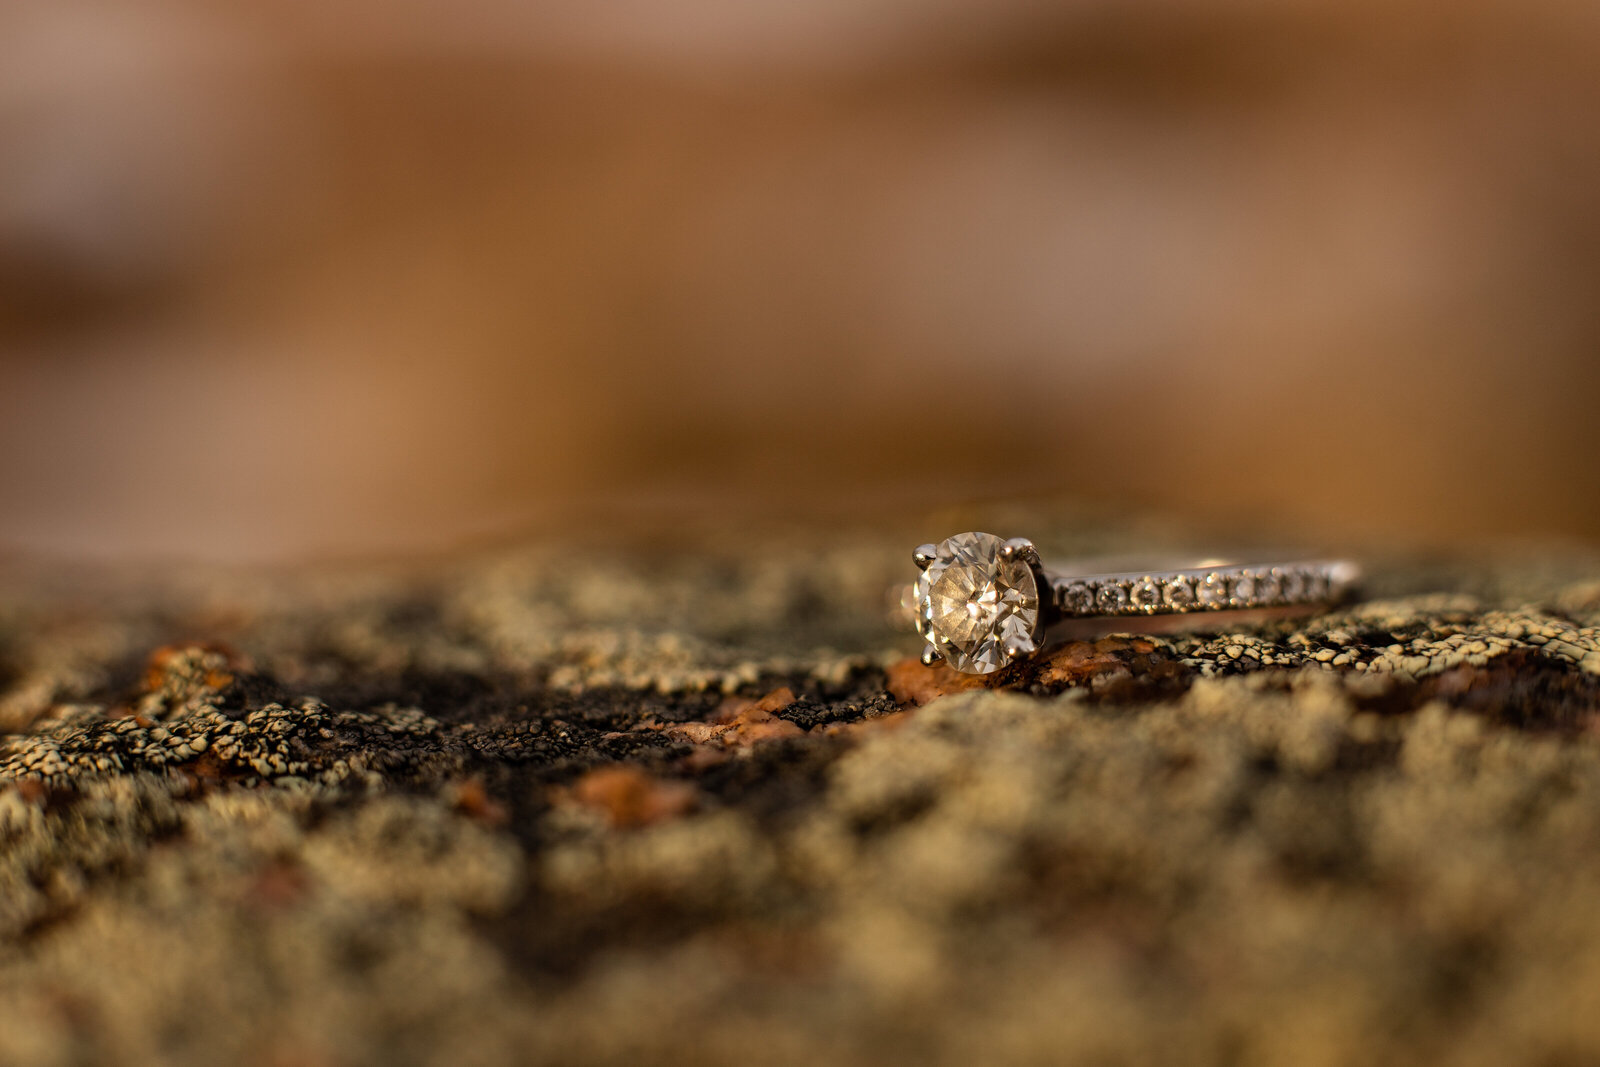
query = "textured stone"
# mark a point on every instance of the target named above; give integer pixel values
(557, 806)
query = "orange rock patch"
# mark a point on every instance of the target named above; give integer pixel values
(629, 797)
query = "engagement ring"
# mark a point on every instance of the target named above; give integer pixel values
(984, 602)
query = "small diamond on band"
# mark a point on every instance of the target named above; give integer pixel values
(1213, 591)
(1112, 599)
(1077, 599)
(1147, 595)
(1179, 594)
(1291, 585)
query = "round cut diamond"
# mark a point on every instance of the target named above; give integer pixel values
(978, 603)
(1214, 591)
(1179, 594)
(1146, 595)
(1112, 598)
(1316, 586)
(1077, 599)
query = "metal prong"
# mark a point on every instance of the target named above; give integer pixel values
(1019, 548)
(923, 555)
(930, 656)
(1013, 651)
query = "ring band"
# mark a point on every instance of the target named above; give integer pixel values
(1213, 587)
(983, 602)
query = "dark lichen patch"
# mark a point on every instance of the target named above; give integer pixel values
(1522, 690)
(810, 714)
(454, 695)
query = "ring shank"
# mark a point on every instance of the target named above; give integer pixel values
(1186, 590)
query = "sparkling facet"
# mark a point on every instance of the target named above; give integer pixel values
(978, 604)
(919, 603)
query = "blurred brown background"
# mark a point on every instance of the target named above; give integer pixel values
(282, 277)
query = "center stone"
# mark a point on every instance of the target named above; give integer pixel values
(977, 602)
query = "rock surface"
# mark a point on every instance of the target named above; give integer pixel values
(567, 804)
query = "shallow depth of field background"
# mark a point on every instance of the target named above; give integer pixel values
(284, 277)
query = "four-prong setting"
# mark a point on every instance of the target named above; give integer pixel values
(1020, 548)
(978, 601)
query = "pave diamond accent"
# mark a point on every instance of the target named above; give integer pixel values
(975, 605)
(1077, 599)
(1112, 599)
(1178, 594)
(1146, 595)
(1213, 591)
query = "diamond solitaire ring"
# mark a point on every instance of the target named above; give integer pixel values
(984, 602)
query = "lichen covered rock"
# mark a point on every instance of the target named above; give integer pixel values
(555, 806)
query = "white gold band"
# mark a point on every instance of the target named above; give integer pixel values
(1218, 587)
